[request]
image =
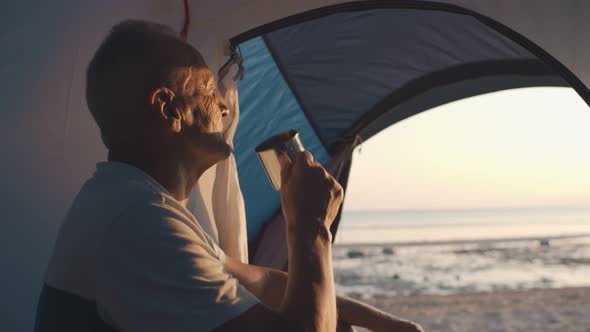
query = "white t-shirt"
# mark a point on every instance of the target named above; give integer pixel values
(128, 245)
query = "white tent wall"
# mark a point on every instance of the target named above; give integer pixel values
(50, 143)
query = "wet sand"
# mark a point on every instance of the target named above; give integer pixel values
(539, 310)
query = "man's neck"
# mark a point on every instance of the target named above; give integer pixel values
(176, 176)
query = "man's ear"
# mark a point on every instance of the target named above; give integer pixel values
(162, 102)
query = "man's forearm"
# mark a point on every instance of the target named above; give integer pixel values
(360, 314)
(349, 311)
(306, 294)
(309, 294)
(269, 285)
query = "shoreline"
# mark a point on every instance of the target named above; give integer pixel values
(543, 310)
(459, 241)
(454, 268)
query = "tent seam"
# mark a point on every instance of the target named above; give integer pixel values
(468, 71)
(294, 91)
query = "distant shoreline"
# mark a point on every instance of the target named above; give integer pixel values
(472, 209)
(460, 241)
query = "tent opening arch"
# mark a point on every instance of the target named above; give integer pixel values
(348, 71)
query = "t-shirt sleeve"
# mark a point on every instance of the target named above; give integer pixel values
(157, 272)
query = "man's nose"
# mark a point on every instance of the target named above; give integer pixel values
(224, 110)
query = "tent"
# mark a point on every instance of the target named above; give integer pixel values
(337, 71)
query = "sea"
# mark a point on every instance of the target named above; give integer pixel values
(458, 251)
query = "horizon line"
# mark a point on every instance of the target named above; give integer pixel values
(490, 208)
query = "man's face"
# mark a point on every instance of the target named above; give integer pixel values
(202, 127)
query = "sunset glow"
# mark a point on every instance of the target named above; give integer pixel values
(517, 148)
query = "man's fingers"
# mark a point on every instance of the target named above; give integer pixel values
(286, 167)
(303, 159)
(344, 327)
(338, 190)
(306, 157)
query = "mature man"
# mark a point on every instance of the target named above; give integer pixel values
(131, 257)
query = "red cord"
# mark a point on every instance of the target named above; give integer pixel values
(187, 20)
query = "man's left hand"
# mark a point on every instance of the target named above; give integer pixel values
(344, 327)
(394, 324)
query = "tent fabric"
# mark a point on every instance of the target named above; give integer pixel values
(51, 143)
(267, 100)
(554, 26)
(227, 199)
(342, 64)
(398, 106)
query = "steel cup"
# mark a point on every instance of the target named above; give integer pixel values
(287, 142)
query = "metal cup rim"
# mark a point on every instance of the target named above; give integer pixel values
(277, 140)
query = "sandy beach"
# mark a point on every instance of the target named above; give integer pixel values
(539, 310)
(515, 271)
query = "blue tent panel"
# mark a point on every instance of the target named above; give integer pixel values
(268, 102)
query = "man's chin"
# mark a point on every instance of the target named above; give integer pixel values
(228, 151)
(225, 150)
(215, 149)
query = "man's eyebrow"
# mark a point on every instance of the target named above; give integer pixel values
(211, 80)
(207, 85)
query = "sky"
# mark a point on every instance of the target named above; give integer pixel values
(509, 149)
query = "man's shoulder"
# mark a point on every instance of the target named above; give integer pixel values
(123, 189)
(116, 195)
(152, 211)
(129, 207)
(94, 211)
(159, 221)
(99, 205)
